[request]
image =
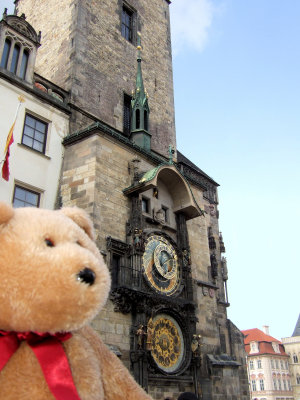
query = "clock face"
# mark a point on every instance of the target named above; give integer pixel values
(167, 343)
(160, 265)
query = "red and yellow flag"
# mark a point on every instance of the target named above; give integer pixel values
(9, 141)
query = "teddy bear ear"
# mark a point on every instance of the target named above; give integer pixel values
(81, 218)
(6, 212)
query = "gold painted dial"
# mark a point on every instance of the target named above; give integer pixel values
(167, 343)
(160, 264)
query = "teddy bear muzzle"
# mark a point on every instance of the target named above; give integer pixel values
(87, 276)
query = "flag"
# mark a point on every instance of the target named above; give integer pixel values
(9, 141)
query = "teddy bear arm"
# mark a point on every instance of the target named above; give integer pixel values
(117, 382)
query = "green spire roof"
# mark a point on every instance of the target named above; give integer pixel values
(139, 107)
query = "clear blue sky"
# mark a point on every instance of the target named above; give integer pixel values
(237, 99)
(237, 88)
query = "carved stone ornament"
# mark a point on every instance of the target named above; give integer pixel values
(159, 216)
(23, 27)
(214, 266)
(126, 300)
(205, 290)
(212, 210)
(224, 269)
(117, 246)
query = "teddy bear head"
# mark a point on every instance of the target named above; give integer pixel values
(52, 276)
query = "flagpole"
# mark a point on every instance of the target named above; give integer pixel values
(9, 141)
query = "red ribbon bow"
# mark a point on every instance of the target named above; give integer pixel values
(51, 356)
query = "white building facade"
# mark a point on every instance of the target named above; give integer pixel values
(41, 115)
(268, 367)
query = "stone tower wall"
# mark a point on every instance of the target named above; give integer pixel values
(85, 52)
(55, 20)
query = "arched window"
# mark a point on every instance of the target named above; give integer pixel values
(145, 120)
(15, 59)
(137, 119)
(24, 64)
(5, 54)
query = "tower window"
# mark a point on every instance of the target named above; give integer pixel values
(127, 115)
(127, 24)
(165, 211)
(5, 54)
(115, 268)
(24, 64)
(145, 205)
(15, 59)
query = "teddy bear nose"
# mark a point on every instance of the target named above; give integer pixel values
(87, 275)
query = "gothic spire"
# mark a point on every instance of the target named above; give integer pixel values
(139, 107)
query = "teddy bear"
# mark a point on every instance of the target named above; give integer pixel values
(53, 281)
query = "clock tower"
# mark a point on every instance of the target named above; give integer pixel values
(155, 212)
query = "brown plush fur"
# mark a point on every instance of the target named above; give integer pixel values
(39, 291)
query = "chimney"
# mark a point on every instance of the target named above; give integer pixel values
(266, 329)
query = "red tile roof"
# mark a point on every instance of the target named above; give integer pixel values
(264, 340)
(256, 335)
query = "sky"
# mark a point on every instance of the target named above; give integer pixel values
(236, 82)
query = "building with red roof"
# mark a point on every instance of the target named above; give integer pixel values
(268, 366)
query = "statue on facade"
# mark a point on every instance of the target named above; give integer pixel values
(196, 345)
(140, 336)
(150, 331)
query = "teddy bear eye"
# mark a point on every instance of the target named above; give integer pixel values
(49, 242)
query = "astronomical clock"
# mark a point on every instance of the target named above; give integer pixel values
(151, 279)
(160, 265)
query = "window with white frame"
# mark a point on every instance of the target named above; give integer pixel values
(251, 364)
(254, 347)
(253, 384)
(298, 379)
(284, 384)
(35, 133)
(279, 384)
(24, 197)
(276, 347)
(259, 364)
(274, 384)
(261, 384)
